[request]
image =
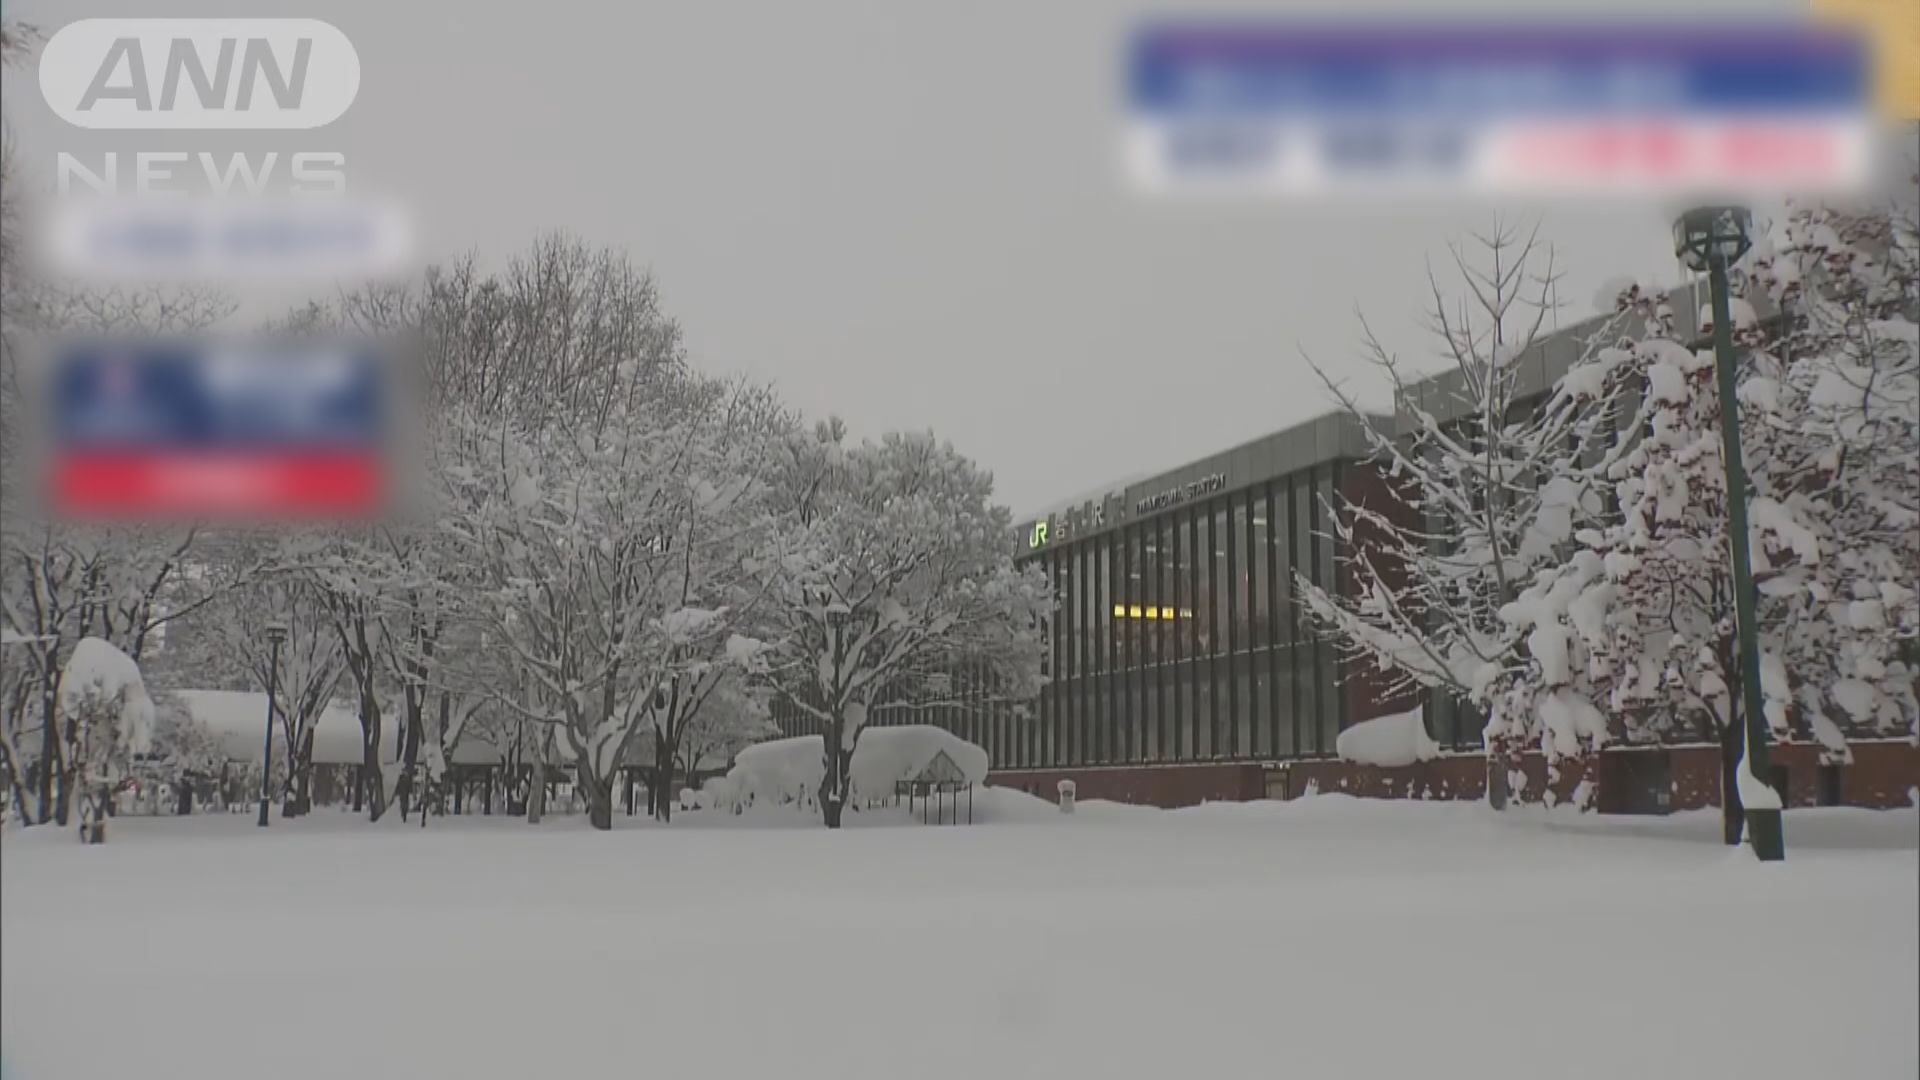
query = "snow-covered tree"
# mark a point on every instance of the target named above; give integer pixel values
(224, 645)
(544, 346)
(62, 581)
(1634, 634)
(713, 656)
(892, 568)
(1831, 422)
(105, 719)
(735, 716)
(184, 754)
(609, 563)
(345, 577)
(1490, 478)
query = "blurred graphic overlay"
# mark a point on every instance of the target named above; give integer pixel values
(250, 430)
(1282, 107)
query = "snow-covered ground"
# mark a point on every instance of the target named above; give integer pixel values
(1324, 938)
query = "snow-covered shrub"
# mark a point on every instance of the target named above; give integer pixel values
(106, 718)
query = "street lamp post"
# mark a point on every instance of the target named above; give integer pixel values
(1713, 238)
(276, 633)
(837, 615)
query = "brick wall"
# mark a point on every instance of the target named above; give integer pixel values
(1146, 785)
(1880, 777)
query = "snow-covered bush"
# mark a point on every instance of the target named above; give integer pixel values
(185, 752)
(105, 718)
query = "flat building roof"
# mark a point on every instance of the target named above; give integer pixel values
(1336, 435)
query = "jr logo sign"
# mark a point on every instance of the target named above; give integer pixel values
(227, 74)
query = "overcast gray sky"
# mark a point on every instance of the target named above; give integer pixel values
(908, 214)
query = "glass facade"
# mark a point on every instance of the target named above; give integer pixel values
(1175, 637)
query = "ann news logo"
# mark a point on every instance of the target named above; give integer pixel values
(257, 75)
(200, 75)
(206, 74)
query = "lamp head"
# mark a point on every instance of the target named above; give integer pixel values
(1702, 233)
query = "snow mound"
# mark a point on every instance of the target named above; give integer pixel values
(1393, 740)
(782, 770)
(885, 755)
(790, 770)
(99, 672)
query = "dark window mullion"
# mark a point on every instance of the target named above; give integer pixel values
(1192, 729)
(1163, 670)
(1211, 545)
(1130, 546)
(1149, 643)
(1273, 626)
(1313, 573)
(1084, 628)
(1293, 616)
(1234, 662)
(1108, 717)
(1177, 545)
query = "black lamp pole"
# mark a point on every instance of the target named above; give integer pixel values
(1713, 238)
(276, 633)
(836, 625)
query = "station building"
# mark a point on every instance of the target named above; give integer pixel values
(1182, 669)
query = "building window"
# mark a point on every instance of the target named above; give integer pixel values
(1332, 694)
(1155, 635)
(1191, 634)
(1109, 717)
(1134, 631)
(1206, 622)
(1181, 591)
(1240, 634)
(1077, 688)
(1299, 557)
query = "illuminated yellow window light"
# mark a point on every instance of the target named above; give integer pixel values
(1166, 613)
(1153, 613)
(1119, 611)
(1133, 612)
